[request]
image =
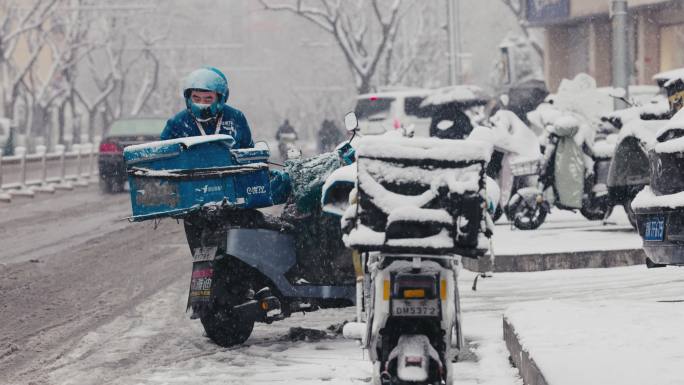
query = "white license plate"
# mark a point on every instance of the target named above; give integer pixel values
(202, 254)
(415, 307)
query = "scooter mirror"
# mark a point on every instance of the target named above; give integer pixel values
(351, 123)
(354, 330)
(262, 145)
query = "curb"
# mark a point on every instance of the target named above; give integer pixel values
(555, 261)
(529, 372)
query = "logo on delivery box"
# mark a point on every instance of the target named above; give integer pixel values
(253, 190)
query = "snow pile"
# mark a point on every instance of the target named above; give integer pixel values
(671, 146)
(362, 235)
(657, 107)
(511, 134)
(644, 130)
(669, 75)
(646, 199)
(394, 147)
(420, 215)
(603, 342)
(466, 94)
(605, 148)
(676, 123)
(187, 142)
(442, 240)
(580, 95)
(385, 173)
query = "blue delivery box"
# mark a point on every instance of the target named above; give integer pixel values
(178, 176)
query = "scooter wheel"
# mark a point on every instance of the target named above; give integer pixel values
(527, 214)
(227, 328)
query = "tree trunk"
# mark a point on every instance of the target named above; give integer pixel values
(39, 125)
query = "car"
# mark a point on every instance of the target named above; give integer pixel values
(392, 109)
(122, 133)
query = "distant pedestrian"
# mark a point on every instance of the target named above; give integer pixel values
(329, 136)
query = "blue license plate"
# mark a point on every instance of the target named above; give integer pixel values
(655, 229)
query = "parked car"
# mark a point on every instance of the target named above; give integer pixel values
(122, 133)
(392, 110)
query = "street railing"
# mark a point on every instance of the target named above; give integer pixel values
(25, 174)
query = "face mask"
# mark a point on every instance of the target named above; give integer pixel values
(203, 111)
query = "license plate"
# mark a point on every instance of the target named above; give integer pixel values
(203, 254)
(415, 308)
(655, 229)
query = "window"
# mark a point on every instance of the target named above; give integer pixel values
(412, 106)
(373, 108)
(671, 42)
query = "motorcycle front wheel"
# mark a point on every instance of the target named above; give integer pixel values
(526, 212)
(597, 209)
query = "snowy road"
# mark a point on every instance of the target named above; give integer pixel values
(88, 299)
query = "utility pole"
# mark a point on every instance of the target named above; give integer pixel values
(459, 43)
(621, 71)
(451, 41)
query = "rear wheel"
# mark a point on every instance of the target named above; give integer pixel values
(227, 327)
(597, 209)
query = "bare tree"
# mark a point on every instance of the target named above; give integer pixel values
(49, 86)
(415, 54)
(17, 22)
(517, 7)
(363, 40)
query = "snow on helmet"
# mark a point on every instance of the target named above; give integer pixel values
(206, 79)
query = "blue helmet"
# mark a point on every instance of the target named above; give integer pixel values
(206, 79)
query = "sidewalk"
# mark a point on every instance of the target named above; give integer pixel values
(568, 342)
(565, 241)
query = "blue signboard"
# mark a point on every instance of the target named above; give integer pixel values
(546, 11)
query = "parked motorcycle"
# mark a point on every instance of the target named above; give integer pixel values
(515, 160)
(247, 266)
(563, 180)
(417, 207)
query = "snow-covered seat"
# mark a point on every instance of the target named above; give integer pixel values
(419, 195)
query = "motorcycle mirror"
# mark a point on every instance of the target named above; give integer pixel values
(354, 330)
(262, 145)
(351, 122)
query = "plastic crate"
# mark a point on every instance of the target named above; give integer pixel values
(174, 177)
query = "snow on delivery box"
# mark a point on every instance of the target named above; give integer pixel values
(177, 176)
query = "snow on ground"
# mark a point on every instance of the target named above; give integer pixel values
(565, 231)
(607, 342)
(156, 343)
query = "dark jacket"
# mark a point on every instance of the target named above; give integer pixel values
(234, 123)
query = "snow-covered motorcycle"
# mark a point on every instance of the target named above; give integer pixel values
(417, 206)
(572, 175)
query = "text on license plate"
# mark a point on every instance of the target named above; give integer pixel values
(415, 308)
(655, 229)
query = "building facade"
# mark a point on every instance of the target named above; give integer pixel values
(579, 38)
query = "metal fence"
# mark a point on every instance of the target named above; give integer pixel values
(25, 174)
